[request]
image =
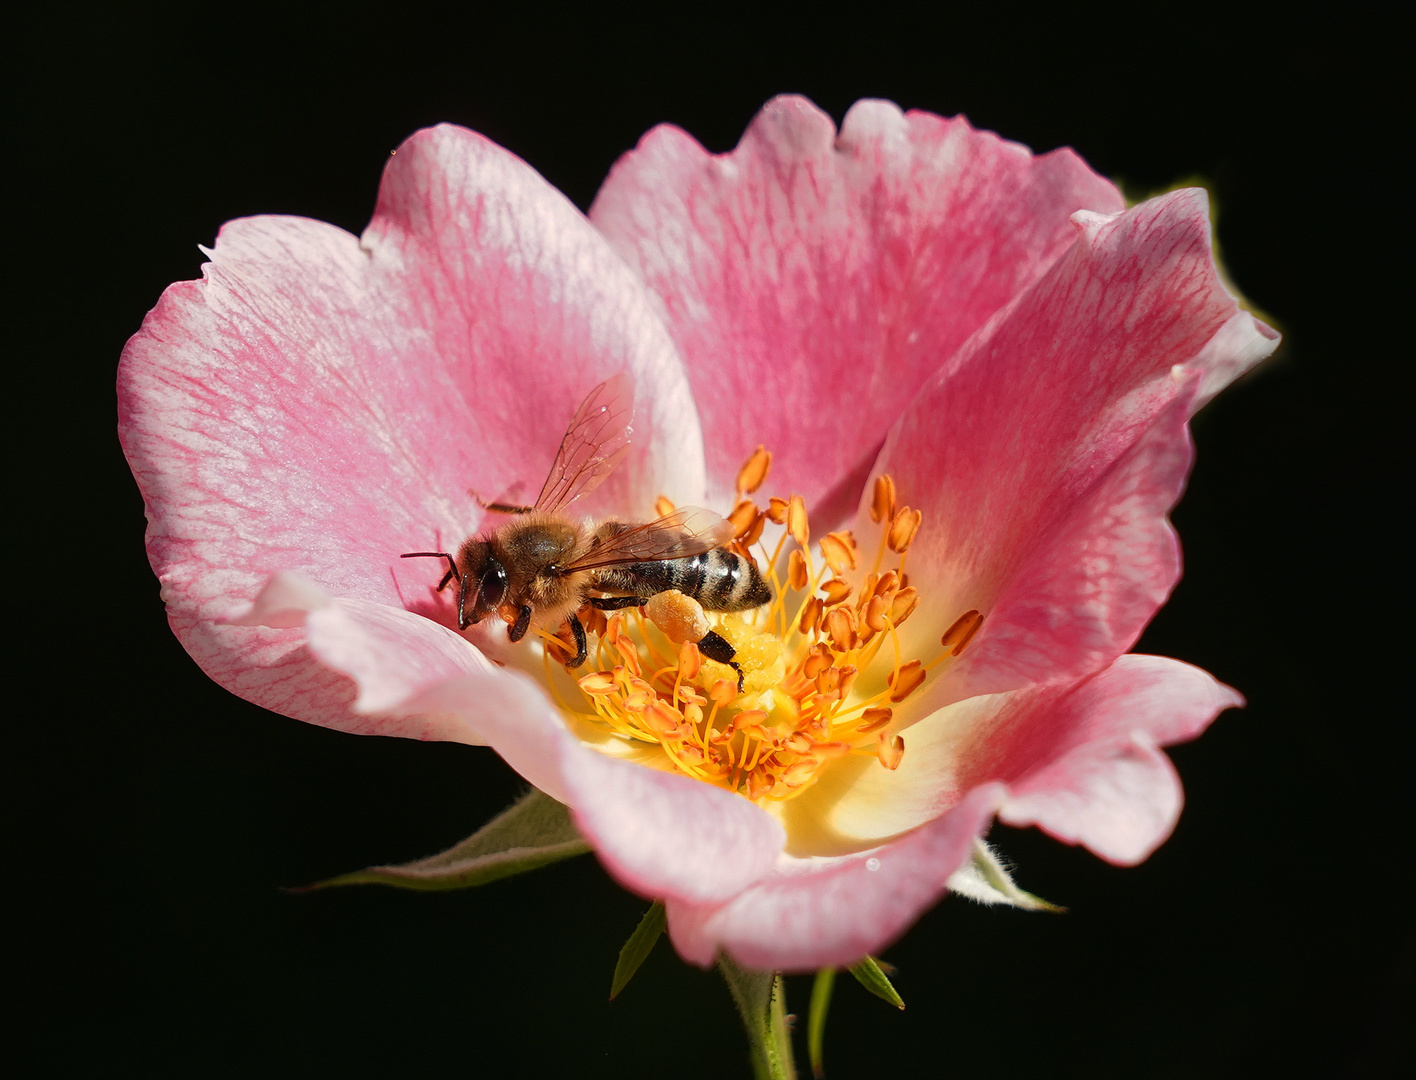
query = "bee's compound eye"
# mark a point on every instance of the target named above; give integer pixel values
(493, 586)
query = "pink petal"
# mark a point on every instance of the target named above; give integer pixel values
(816, 281)
(374, 657)
(1046, 455)
(661, 834)
(320, 403)
(814, 913)
(1084, 766)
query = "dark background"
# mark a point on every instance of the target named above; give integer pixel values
(158, 816)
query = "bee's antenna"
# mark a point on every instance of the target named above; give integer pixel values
(451, 573)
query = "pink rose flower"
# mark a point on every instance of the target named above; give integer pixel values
(910, 298)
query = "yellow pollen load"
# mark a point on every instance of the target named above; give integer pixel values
(828, 630)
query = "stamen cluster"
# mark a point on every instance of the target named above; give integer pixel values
(802, 657)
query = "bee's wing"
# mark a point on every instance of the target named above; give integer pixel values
(687, 531)
(598, 437)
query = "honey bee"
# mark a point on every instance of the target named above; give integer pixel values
(540, 567)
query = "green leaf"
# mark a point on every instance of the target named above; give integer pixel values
(637, 949)
(533, 832)
(871, 976)
(985, 879)
(816, 1021)
(759, 996)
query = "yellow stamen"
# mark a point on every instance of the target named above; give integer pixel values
(754, 471)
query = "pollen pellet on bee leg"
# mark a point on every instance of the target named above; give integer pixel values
(882, 499)
(754, 470)
(890, 749)
(679, 616)
(907, 682)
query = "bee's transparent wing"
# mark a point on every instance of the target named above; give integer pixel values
(689, 530)
(598, 437)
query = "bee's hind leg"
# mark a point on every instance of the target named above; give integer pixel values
(716, 647)
(615, 603)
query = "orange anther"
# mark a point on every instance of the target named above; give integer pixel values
(797, 524)
(760, 783)
(691, 753)
(723, 692)
(754, 531)
(742, 517)
(848, 677)
(903, 527)
(876, 612)
(836, 591)
(639, 700)
(828, 682)
(882, 499)
(888, 584)
(598, 683)
(593, 619)
(799, 773)
(663, 506)
(889, 750)
(776, 511)
(963, 630)
(815, 663)
(839, 552)
(810, 613)
(840, 627)
(902, 607)
(663, 718)
(874, 720)
(754, 471)
(796, 570)
(693, 710)
(907, 682)
(690, 660)
(797, 742)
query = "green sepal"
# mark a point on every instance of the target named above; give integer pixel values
(985, 879)
(871, 975)
(816, 1019)
(533, 832)
(760, 999)
(637, 949)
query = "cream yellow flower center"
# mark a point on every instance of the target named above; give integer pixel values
(829, 630)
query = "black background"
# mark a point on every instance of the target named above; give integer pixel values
(158, 816)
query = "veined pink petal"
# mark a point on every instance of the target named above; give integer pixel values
(815, 281)
(320, 404)
(1045, 456)
(814, 913)
(661, 834)
(1087, 770)
(1080, 760)
(355, 661)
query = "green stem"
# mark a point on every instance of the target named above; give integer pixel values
(760, 999)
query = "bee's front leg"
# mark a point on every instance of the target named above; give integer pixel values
(716, 647)
(577, 630)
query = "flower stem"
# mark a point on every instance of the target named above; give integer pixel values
(759, 996)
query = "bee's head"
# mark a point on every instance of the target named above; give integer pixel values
(482, 583)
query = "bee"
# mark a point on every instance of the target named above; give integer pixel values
(542, 566)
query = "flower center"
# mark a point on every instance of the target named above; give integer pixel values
(822, 669)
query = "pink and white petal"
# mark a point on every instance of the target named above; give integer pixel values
(822, 278)
(1091, 773)
(321, 404)
(1046, 455)
(1080, 760)
(660, 834)
(814, 913)
(347, 664)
